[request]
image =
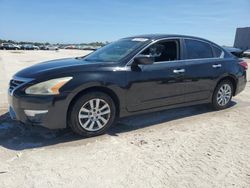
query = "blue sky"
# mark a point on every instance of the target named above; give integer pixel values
(74, 21)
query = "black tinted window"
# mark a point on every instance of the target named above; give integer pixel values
(217, 52)
(163, 51)
(197, 49)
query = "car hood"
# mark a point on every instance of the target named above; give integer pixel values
(56, 67)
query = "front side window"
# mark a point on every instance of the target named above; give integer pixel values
(198, 50)
(163, 51)
(116, 51)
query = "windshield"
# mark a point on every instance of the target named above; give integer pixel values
(115, 51)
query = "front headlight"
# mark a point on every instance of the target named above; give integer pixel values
(50, 87)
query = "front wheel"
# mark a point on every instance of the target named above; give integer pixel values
(92, 114)
(222, 95)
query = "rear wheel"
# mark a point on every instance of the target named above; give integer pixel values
(92, 114)
(222, 95)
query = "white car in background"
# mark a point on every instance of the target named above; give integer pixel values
(9, 46)
(52, 47)
(29, 47)
(246, 53)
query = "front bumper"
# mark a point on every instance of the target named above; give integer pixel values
(46, 111)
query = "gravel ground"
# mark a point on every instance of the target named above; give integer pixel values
(185, 147)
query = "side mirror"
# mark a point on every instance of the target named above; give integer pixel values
(143, 60)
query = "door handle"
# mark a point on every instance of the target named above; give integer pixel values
(216, 65)
(178, 71)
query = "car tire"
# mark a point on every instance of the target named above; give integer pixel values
(88, 117)
(222, 95)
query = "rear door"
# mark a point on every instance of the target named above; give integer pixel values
(202, 67)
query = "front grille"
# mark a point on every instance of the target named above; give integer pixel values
(14, 84)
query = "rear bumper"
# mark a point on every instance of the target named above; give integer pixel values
(46, 111)
(241, 83)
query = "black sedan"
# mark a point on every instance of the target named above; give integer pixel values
(130, 76)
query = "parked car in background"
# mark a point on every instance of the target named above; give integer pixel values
(235, 51)
(133, 75)
(71, 47)
(89, 47)
(246, 53)
(80, 47)
(43, 47)
(9, 46)
(96, 47)
(52, 47)
(48, 47)
(29, 47)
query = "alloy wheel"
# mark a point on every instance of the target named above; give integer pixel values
(94, 114)
(224, 94)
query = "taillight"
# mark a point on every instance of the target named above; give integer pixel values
(244, 64)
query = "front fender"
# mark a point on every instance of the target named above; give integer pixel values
(109, 81)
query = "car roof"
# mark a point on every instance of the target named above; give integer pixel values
(162, 36)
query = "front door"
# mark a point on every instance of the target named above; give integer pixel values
(159, 84)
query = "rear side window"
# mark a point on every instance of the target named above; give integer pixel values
(197, 49)
(217, 52)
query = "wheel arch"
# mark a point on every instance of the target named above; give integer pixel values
(105, 90)
(230, 78)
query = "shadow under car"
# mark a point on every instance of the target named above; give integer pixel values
(17, 136)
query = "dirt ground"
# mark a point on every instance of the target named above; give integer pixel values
(185, 147)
